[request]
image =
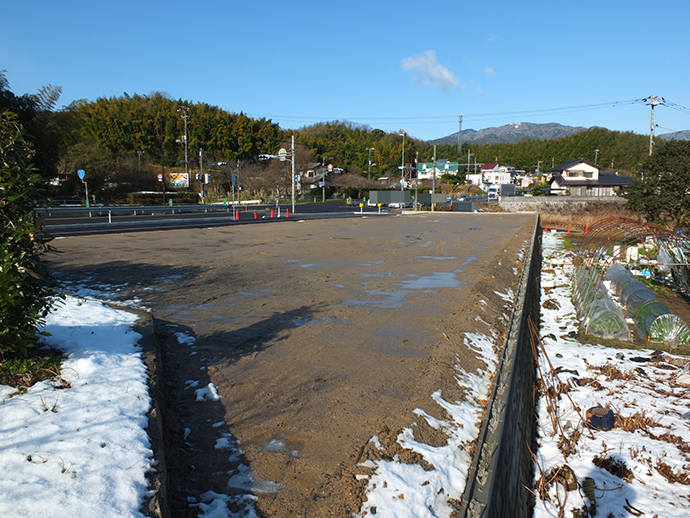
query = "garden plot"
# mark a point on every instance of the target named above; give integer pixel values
(639, 467)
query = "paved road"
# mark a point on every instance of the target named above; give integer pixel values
(70, 221)
(318, 335)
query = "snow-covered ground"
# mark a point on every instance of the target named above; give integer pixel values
(644, 471)
(79, 447)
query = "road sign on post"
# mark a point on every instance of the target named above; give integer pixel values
(82, 174)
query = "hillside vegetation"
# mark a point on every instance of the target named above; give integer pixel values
(124, 142)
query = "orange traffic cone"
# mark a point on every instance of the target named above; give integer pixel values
(237, 215)
(586, 228)
(568, 229)
(271, 213)
(546, 228)
(255, 216)
(287, 213)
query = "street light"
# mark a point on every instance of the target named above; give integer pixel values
(402, 165)
(370, 149)
(596, 155)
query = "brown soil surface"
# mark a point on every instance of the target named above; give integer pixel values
(318, 336)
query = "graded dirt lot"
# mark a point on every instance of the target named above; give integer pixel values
(318, 335)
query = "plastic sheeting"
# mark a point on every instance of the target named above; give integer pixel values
(653, 318)
(605, 318)
(600, 315)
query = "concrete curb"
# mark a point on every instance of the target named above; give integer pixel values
(502, 469)
(156, 503)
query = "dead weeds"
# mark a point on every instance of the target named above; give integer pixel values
(637, 421)
(614, 466)
(613, 373)
(682, 476)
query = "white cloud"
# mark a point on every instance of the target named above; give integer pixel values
(427, 70)
(490, 71)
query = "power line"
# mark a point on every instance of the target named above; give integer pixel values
(426, 119)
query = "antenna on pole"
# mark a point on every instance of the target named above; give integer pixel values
(652, 101)
(459, 134)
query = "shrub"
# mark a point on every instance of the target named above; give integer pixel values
(26, 287)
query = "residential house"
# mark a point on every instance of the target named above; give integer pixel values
(425, 170)
(492, 174)
(579, 177)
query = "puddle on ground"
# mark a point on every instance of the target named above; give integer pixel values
(435, 280)
(283, 447)
(396, 331)
(388, 300)
(434, 257)
(255, 294)
(397, 298)
(370, 264)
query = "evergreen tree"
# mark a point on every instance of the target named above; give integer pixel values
(26, 287)
(662, 188)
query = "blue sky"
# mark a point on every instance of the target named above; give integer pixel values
(392, 65)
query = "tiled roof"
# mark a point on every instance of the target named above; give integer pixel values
(569, 163)
(605, 180)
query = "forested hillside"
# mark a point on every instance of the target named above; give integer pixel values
(620, 150)
(125, 142)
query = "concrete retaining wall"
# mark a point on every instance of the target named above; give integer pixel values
(557, 203)
(501, 472)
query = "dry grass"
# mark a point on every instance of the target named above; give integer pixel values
(682, 476)
(578, 219)
(563, 475)
(673, 439)
(637, 421)
(613, 373)
(614, 466)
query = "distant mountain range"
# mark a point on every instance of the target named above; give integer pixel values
(676, 135)
(521, 131)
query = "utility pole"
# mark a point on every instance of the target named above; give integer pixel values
(653, 101)
(293, 174)
(370, 150)
(323, 181)
(239, 179)
(185, 115)
(596, 156)
(416, 183)
(433, 182)
(163, 158)
(402, 169)
(201, 170)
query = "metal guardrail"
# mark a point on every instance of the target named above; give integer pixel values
(135, 210)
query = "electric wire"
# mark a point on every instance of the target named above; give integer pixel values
(444, 119)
